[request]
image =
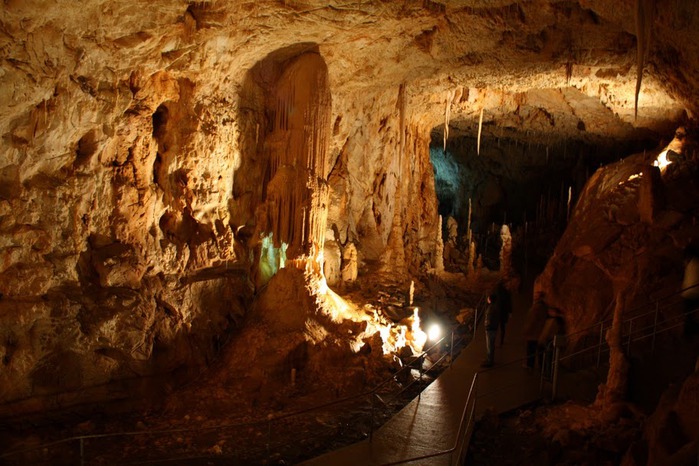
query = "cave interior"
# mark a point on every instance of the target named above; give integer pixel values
(214, 211)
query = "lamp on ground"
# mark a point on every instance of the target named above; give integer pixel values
(434, 332)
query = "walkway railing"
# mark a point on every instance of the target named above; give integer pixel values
(635, 332)
(457, 453)
(635, 328)
(640, 326)
(463, 435)
(62, 452)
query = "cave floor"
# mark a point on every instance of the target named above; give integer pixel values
(429, 423)
(204, 424)
(519, 438)
(195, 429)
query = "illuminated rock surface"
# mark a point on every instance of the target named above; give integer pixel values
(150, 148)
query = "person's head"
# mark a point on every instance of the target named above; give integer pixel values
(492, 296)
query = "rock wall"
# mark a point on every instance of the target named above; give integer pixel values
(133, 193)
(626, 235)
(131, 186)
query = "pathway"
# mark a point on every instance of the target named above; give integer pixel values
(430, 422)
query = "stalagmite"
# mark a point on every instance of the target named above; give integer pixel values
(411, 293)
(505, 252)
(471, 257)
(439, 250)
(478, 268)
(468, 223)
(349, 263)
(332, 262)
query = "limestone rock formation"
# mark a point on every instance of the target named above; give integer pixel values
(671, 433)
(626, 235)
(161, 160)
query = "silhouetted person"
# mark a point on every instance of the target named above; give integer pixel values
(690, 287)
(533, 325)
(554, 325)
(504, 299)
(492, 322)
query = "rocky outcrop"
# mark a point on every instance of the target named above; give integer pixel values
(149, 148)
(671, 433)
(626, 235)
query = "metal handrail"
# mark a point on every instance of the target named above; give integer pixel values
(558, 358)
(472, 396)
(228, 425)
(638, 307)
(475, 377)
(409, 366)
(628, 336)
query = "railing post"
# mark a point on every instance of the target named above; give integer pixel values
(421, 362)
(655, 327)
(371, 423)
(82, 451)
(269, 436)
(599, 345)
(451, 349)
(475, 322)
(628, 343)
(556, 355)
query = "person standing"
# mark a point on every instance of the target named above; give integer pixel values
(534, 323)
(504, 299)
(492, 322)
(690, 289)
(554, 325)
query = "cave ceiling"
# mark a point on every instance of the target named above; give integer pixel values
(554, 67)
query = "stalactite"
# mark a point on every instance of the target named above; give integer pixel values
(447, 116)
(296, 194)
(402, 104)
(480, 129)
(644, 16)
(401, 118)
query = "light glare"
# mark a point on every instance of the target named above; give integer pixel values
(434, 332)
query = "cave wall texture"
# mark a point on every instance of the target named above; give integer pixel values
(138, 140)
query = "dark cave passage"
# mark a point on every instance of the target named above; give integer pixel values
(531, 187)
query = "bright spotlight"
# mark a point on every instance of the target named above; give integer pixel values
(434, 332)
